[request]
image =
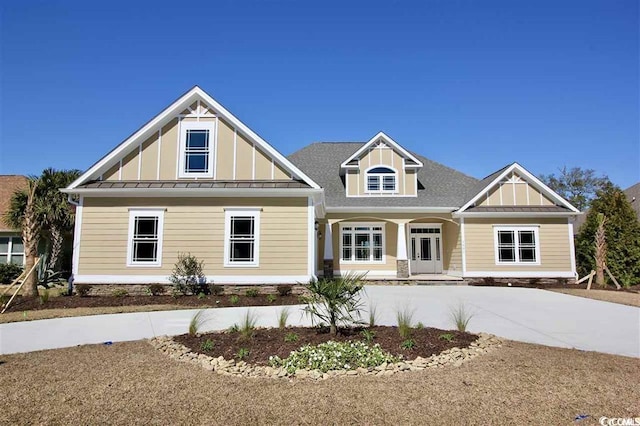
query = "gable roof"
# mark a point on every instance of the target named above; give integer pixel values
(494, 178)
(193, 95)
(8, 185)
(438, 186)
(414, 162)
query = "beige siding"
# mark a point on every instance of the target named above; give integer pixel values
(112, 173)
(382, 157)
(555, 252)
(130, 165)
(352, 177)
(244, 158)
(149, 163)
(225, 148)
(194, 225)
(169, 151)
(263, 166)
(411, 182)
(281, 173)
(514, 194)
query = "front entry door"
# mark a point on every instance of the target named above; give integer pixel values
(425, 251)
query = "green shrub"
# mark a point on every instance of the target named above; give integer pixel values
(44, 296)
(405, 322)
(201, 296)
(243, 353)
(248, 324)
(291, 337)
(206, 346)
(82, 290)
(253, 292)
(283, 317)
(446, 336)
(284, 290)
(336, 302)
(271, 298)
(334, 356)
(408, 344)
(234, 299)
(9, 272)
(419, 326)
(461, 317)
(187, 275)
(368, 335)
(156, 289)
(119, 292)
(216, 290)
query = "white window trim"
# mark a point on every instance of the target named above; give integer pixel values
(380, 177)
(196, 125)
(133, 213)
(515, 229)
(364, 262)
(246, 212)
(10, 253)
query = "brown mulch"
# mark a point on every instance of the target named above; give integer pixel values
(69, 302)
(548, 285)
(132, 383)
(266, 342)
(620, 297)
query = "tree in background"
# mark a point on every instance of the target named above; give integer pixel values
(576, 185)
(622, 235)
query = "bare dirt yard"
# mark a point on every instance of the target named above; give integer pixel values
(127, 383)
(622, 297)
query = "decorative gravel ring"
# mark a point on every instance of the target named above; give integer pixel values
(454, 356)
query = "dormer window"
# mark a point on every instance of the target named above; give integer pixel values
(196, 149)
(381, 180)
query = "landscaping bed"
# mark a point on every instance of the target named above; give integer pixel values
(545, 283)
(267, 342)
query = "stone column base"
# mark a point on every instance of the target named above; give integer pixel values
(327, 268)
(402, 268)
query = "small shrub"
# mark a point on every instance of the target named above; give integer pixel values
(63, 292)
(206, 346)
(446, 336)
(156, 289)
(283, 317)
(253, 292)
(284, 290)
(419, 326)
(4, 298)
(408, 344)
(368, 335)
(291, 337)
(216, 290)
(234, 328)
(201, 296)
(271, 298)
(461, 317)
(243, 353)
(248, 324)
(196, 322)
(82, 290)
(44, 296)
(373, 314)
(119, 292)
(234, 299)
(405, 321)
(9, 272)
(187, 275)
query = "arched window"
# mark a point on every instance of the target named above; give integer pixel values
(381, 179)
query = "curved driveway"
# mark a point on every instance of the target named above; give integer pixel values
(528, 315)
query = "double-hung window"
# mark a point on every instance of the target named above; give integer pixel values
(145, 237)
(11, 250)
(241, 237)
(362, 243)
(382, 180)
(196, 149)
(516, 245)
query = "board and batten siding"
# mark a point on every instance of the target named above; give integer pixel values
(514, 193)
(194, 225)
(555, 249)
(356, 181)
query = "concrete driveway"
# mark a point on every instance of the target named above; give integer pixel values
(528, 315)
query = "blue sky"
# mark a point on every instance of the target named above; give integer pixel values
(472, 84)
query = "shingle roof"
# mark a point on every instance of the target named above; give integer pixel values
(438, 185)
(8, 185)
(633, 195)
(200, 183)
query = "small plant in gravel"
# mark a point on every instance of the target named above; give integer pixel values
(461, 317)
(207, 345)
(284, 290)
(446, 336)
(234, 328)
(368, 335)
(242, 353)
(253, 292)
(419, 326)
(291, 337)
(119, 292)
(408, 344)
(271, 298)
(248, 324)
(44, 296)
(196, 322)
(404, 317)
(156, 289)
(201, 296)
(234, 299)
(82, 290)
(334, 356)
(187, 275)
(283, 317)
(373, 314)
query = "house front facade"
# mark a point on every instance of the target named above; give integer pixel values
(11, 247)
(197, 180)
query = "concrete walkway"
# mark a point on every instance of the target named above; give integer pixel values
(527, 315)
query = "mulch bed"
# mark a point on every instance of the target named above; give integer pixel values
(69, 302)
(551, 284)
(267, 342)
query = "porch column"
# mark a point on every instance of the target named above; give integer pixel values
(402, 262)
(327, 265)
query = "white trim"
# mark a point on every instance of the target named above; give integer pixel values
(463, 246)
(380, 177)
(439, 264)
(255, 213)
(402, 242)
(182, 140)
(572, 248)
(387, 140)
(516, 241)
(120, 170)
(77, 231)
(537, 184)
(10, 253)
(273, 169)
(311, 238)
(179, 125)
(139, 160)
(215, 146)
(363, 262)
(159, 151)
(217, 279)
(170, 113)
(253, 165)
(519, 274)
(235, 151)
(145, 211)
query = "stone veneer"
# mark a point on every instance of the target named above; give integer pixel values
(142, 289)
(327, 268)
(402, 268)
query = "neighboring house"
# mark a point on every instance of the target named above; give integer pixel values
(196, 179)
(11, 248)
(633, 195)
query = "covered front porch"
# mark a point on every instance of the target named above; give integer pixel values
(391, 246)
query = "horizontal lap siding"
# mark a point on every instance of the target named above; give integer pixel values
(194, 225)
(555, 254)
